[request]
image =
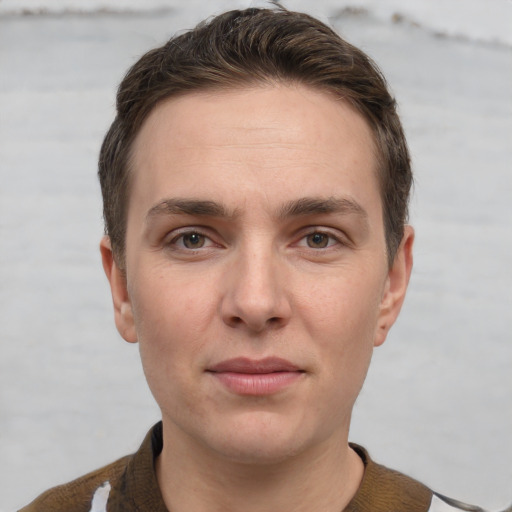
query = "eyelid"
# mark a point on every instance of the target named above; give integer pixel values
(339, 238)
(177, 234)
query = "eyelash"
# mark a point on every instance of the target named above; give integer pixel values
(174, 242)
(332, 240)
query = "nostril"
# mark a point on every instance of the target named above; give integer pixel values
(236, 320)
(257, 326)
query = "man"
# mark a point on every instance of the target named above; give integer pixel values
(255, 185)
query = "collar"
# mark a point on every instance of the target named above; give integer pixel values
(137, 490)
(381, 489)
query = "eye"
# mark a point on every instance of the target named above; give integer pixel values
(191, 240)
(319, 240)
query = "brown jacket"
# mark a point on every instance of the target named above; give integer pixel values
(130, 485)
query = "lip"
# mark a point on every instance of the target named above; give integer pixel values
(254, 366)
(244, 376)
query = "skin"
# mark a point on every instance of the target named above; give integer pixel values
(255, 230)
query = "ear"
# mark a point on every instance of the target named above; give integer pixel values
(123, 314)
(395, 287)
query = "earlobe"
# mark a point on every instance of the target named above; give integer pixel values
(395, 287)
(123, 314)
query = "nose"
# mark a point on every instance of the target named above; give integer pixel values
(256, 297)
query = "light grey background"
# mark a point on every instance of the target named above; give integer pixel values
(438, 400)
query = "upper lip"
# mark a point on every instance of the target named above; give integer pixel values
(254, 366)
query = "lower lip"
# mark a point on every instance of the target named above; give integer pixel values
(257, 384)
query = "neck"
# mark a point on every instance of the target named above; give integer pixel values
(324, 477)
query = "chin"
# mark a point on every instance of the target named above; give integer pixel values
(261, 441)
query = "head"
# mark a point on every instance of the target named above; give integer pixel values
(255, 207)
(241, 49)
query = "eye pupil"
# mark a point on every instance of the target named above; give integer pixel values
(193, 240)
(318, 240)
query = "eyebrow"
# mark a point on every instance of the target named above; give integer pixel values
(194, 207)
(296, 208)
(318, 205)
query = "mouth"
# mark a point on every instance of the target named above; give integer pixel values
(260, 377)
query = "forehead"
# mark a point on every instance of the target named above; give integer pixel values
(268, 138)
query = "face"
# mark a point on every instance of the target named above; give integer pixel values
(257, 281)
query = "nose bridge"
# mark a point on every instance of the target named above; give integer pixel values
(256, 297)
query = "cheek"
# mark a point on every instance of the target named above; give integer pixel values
(344, 306)
(171, 342)
(341, 317)
(171, 320)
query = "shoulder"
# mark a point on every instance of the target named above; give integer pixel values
(384, 489)
(129, 484)
(77, 496)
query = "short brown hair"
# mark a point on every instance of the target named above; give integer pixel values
(245, 47)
